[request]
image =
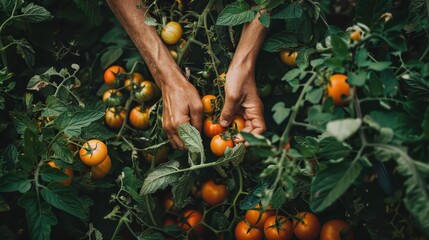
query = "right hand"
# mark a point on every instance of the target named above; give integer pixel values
(181, 104)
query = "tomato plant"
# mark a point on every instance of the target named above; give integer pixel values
(93, 152)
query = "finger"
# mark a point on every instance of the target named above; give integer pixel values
(197, 116)
(177, 142)
(228, 112)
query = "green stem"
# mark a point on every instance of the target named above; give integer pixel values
(152, 218)
(127, 104)
(118, 227)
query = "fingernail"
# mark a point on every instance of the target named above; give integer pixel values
(224, 123)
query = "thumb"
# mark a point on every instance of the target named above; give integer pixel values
(228, 113)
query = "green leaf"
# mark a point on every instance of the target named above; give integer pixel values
(317, 117)
(9, 157)
(152, 236)
(356, 78)
(133, 193)
(33, 13)
(236, 13)
(40, 217)
(61, 151)
(255, 140)
(38, 82)
(362, 57)
(278, 199)
(280, 112)
(191, 137)
(307, 146)
(396, 41)
(330, 183)
(336, 64)
(264, 19)
(22, 122)
(219, 220)
(50, 174)
(343, 128)
(280, 41)
(303, 56)
(390, 83)
(291, 75)
(54, 107)
(97, 130)
(110, 56)
(379, 66)
(162, 176)
(339, 47)
(26, 51)
(4, 207)
(402, 124)
(290, 11)
(181, 189)
(91, 9)
(369, 11)
(72, 123)
(330, 148)
(315, 95)
(316, 62)
(64, 198)
(232, 156)
(130, 179)
(15, 181)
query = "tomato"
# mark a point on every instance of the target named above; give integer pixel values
(112, 97)
(139, 119)
(356, 35)
(222, 77)
(337, 88)
(265, 89)
(256, 216)
(137, 78)
(161, 154)
(238, 123)
(218, 145)
(333, 229)
(101, 169)
(213, 193)
(192, 219)
(114, 117)
(289, 57)
(111, 72)
(171, 33)
(67, 171)
(244, 231)
(306, 226)
(205, 74)
(93, 152)
(146, 91)
(278, 228)
(196, 190)
(174, 54)
(209, 102)
(211, 129)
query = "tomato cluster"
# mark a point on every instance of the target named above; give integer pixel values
(94, 153)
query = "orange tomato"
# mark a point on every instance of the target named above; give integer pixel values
(171, 33)
(93, 152)
(209, 101)
(238, 123)
(222, 77)
(213, 193)
(67, 171)
(256, 216)
(114, 117)
(306, 226)
(244, 231)
(218, 145)
(192, 219)
(146, 91)
(137, 78)
(278, 228)
(356, 35)
(139, 119)
(333, 229)
(174, 54)
(211, 128)
(337, 88)
(289, 57)
(101, 169)
(111, 72)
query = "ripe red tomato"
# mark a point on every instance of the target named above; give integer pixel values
(93, 152)
(289, 57)
(333, 229)
(213, 193)
(211, 128)
(67, 171)
(139, 119)
(101, 169)
(306, 226)
(338, 88)
(146, 91)
(110, 74)
(238, 123)
(114, 117)
(209, 101)
(278, 228)
(256, 216)
(218, 145)
(244, 231)
(171, 33)
(112, 97)
(192, 219)
(137, 78)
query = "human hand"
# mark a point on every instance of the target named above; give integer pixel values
(181, 104)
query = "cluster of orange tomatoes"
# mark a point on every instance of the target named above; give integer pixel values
(259, 223)
(142, 91)
(93, 153)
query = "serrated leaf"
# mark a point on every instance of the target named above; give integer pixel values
(303, 57)
(280, 112)
(72, 123)
(280, 41)
(15, 181)
(331, 183)
(330, 148)
(233, 156)
(22, 122)
(290, 11)
(235, 14)
(343, 128)
(61, 151)
(40, 217)
(133, 193)
(278, 199)
(34, 13)
(307, 146)
(181, 189)
(162, 176)
(130, 179)
(191, 137)
(64, 198)
(54, 107)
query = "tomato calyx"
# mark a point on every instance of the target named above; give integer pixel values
(90, 150)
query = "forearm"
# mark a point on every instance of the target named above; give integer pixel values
(146, 39)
